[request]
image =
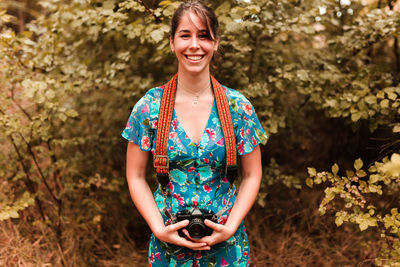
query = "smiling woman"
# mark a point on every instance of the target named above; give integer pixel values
(196, 215)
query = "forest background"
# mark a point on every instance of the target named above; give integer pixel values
(323, 76)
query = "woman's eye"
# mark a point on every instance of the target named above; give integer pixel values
(185, 36)
(203, 36)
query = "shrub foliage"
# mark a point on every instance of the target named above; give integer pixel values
(323, 76)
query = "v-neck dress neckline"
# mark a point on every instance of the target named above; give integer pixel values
(175, 116)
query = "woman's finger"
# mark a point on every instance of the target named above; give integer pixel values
(193, 245)
(178, 225)
(215, 226)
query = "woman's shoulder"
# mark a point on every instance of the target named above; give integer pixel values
(237, 101)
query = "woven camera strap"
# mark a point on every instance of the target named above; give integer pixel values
(161, 160)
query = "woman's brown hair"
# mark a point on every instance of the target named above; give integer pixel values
(206, 14)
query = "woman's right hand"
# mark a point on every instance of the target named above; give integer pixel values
(169, 234)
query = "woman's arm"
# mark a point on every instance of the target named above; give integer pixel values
(248, 190)
(136, 162)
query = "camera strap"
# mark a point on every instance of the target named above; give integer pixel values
(160, 158)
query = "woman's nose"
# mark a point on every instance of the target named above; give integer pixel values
(194, 44)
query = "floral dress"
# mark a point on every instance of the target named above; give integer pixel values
(197, 175)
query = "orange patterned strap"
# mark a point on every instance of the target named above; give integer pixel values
(161, 161)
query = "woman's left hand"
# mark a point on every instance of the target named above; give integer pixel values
(221, 233)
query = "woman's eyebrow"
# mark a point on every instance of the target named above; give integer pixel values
(186, 31)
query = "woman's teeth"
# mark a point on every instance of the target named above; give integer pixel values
(194, 57)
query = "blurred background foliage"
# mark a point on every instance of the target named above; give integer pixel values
(323, 76)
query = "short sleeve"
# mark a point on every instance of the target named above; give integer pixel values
(248, 130)
(138, 128)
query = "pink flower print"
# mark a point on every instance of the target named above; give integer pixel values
(198, 255)
(175, 124)
(242, 132)
(180, 256)
(171, 148)
(145, 142)
(248, 131)
(172, 135)
(254, 140)
(247, 108)
(158, 255)
(195, 202)
(207, 188)
(245, 118)
(210, 154)
(211, 133)
(152, 257)
(223, 262)
(179, 198)
(171, 187)
(154, 124)
(191, 169)
(145, 108)
(240, 147)
(220, 142)
(206, 160)
(222, 219)
(223, 201)
(225, 180)
(128, 126)
(245, 253)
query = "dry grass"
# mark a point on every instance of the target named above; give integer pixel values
(288, 232)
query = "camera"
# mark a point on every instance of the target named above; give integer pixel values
(196, 227)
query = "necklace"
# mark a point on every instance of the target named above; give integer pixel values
(197, 95)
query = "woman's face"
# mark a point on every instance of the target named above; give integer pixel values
(192, 45)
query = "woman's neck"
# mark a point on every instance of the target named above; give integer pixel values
(194, 83)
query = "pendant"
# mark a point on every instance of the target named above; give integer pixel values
(196, 100)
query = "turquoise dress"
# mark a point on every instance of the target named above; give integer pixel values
(197, 175)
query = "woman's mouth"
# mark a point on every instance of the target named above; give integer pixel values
(194, 57)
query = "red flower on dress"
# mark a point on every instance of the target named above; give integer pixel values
(207, 188)
(242, 132)
(198, 255)
(128, 126)
(195, 202)
(179, 198)
(224, 263)
(254, 141)
(145, 108)
(180, 256)
(240, 147)
(206, 160)
(222, 219)
(211, 133)
(145, 142)
(152, 257)
(245, 253)
(191, 169)
(158, 255)
(247, 108)
(220, 142)
(175, 124)
(154, 124)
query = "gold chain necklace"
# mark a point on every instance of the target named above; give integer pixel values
(195, 101)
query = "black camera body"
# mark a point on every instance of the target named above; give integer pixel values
(196, 227)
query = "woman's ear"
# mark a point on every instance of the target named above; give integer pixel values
(171, 44)
(216, 43)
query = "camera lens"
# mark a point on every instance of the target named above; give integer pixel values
(196, 228)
